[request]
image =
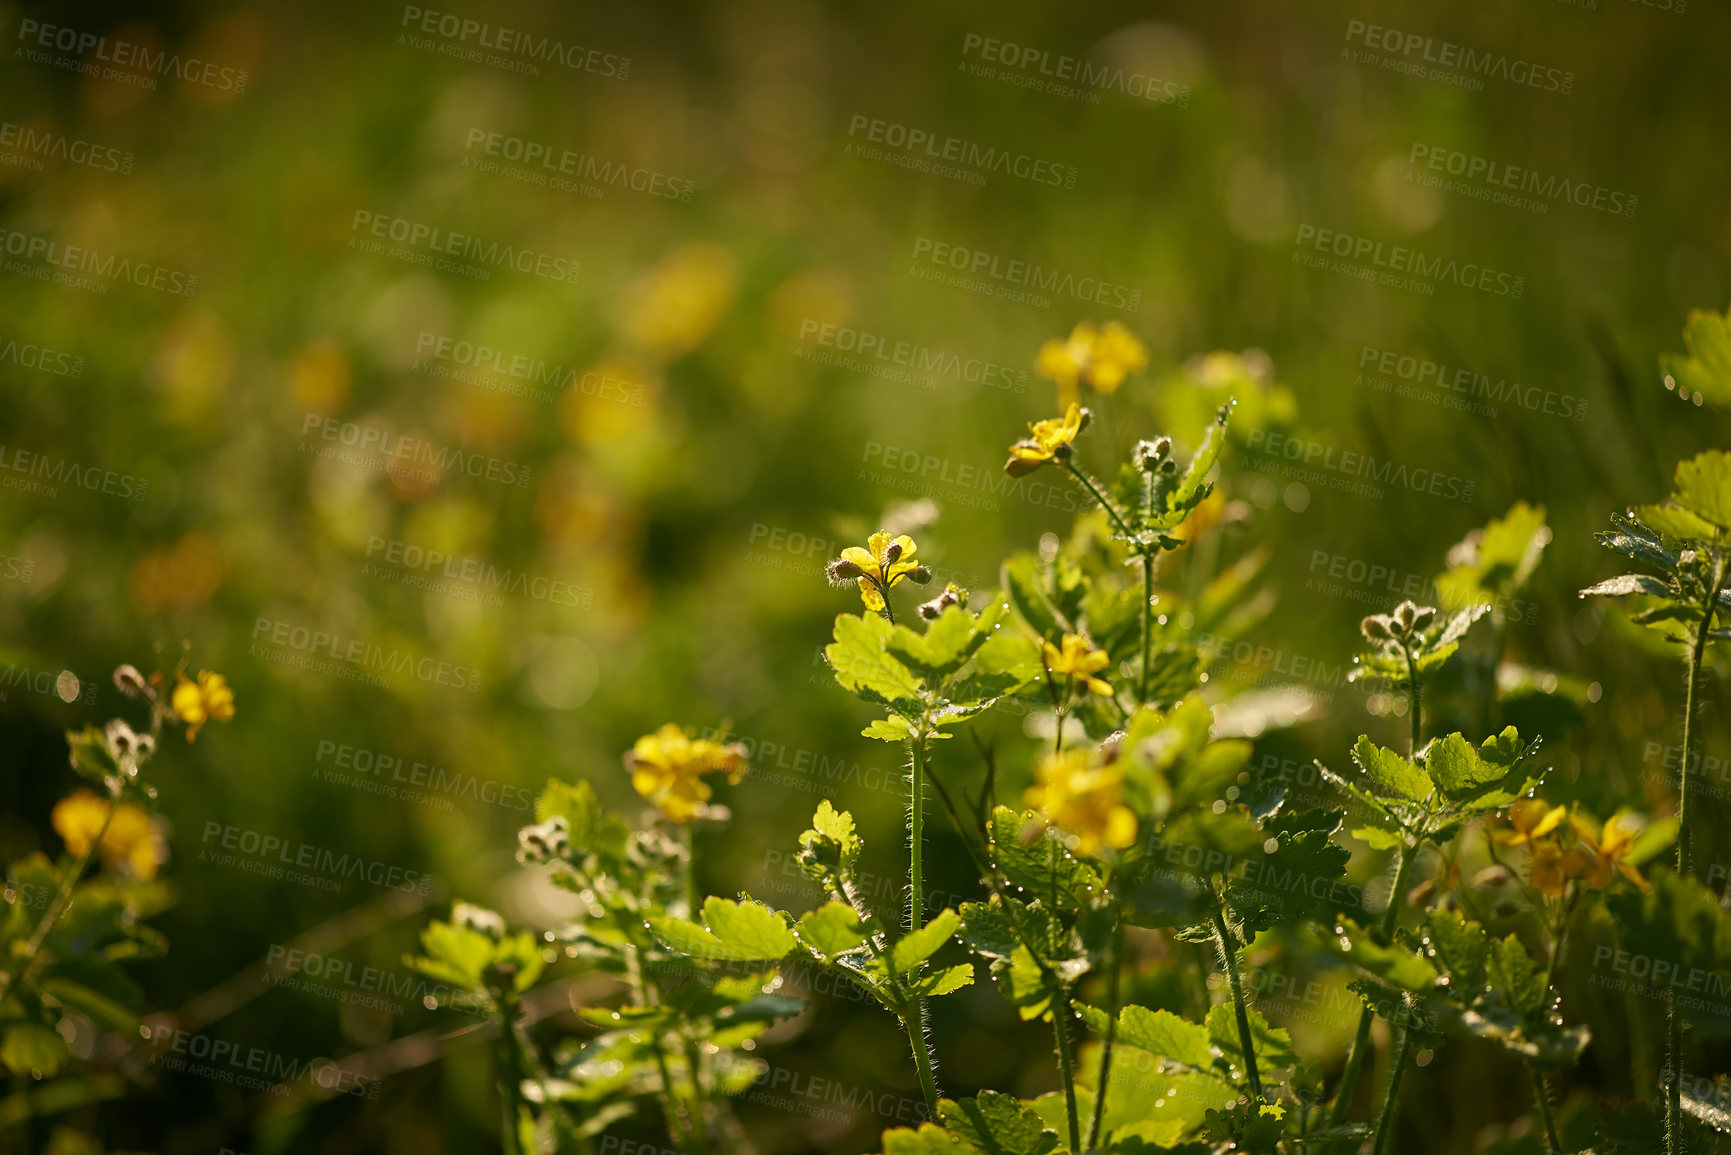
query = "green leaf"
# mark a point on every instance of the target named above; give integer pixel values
(1636, 541)
(944, 646)
(1456, 767)
(930, 1139)
(832, 929)
(1702, 485)
(1273, 1044)
(1625, 584)
(1678, 922)
(1707, 367)
(1021, 578)
(943, 982)
(917, 946)
(1377, 838)
(735, 932)
(29, 1048)
(1391, 773)
(1159, 1032)
(1459, 946)
(997, 1124)
(1393, 963)
(1010, 661)
(894, 728)
(1674, 521)
(862, 663)
(1512, 971)
(1040, 865)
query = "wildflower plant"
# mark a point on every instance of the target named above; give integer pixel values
(67, 934)
(1138, 822)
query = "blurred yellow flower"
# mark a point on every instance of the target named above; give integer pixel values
(877, 568)
(1077, 659)
(667, 768)
(130, 842)
(1083, 800)
(1609, 849)
(1552, 867)
(1531, 819)
(1102, 357)
(1050, 438)
(671, 308)
(208, 699)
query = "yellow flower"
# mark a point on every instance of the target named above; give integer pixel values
(131, 840)
(667, 768)
(1103, 358)
(1609, 849)
(1551, 867)
(206, 700)
(1079, 660)
(1083, 800)
(1050, 438)
(878, 568)
(1531, 819)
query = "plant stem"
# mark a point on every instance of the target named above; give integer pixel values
(1061, 1032)
(1110, 509)
(1674, 1025)
(1391, 1097)
(1246, 1039)
(511, 1075)
(1361, 1040)
(1147, 623)
(1417, 689)
(916, 1024)
(1543, 1098)
(1113, 966)
(57, 907)
(699, 1098)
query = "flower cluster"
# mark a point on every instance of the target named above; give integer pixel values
(1102, 357)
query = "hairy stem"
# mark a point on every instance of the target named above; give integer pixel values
(1066, 1073)
(1542, 1097)
(1361, 1040)
(1246, 1040)
(1111, 510)
(916, 1023)
(1113, 965)
(510, 1075)
(1147, 623)
(640, 997)
(1391, 1097)
(699, 1098)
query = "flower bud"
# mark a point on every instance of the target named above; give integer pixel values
(921, 574)
(842, 572)
(1376, 628)
(892, 554)
(1423, 619)
(1087, 415)
(129, 681)
(1405, 614)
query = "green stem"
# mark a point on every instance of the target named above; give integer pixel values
(1416, 690)
(511, 1075)
(1246, 1039)
(1113, 966)
(1061, 1032)
(1543, 1098)
(916, 1023)
(1391, 1097)
(699, 1098)
(1361, 1040)
(689, 838)
(1111, 510)
(1147, 623)
(640, 997)
(1674, 1024)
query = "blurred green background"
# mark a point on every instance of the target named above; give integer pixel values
(694, 453)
